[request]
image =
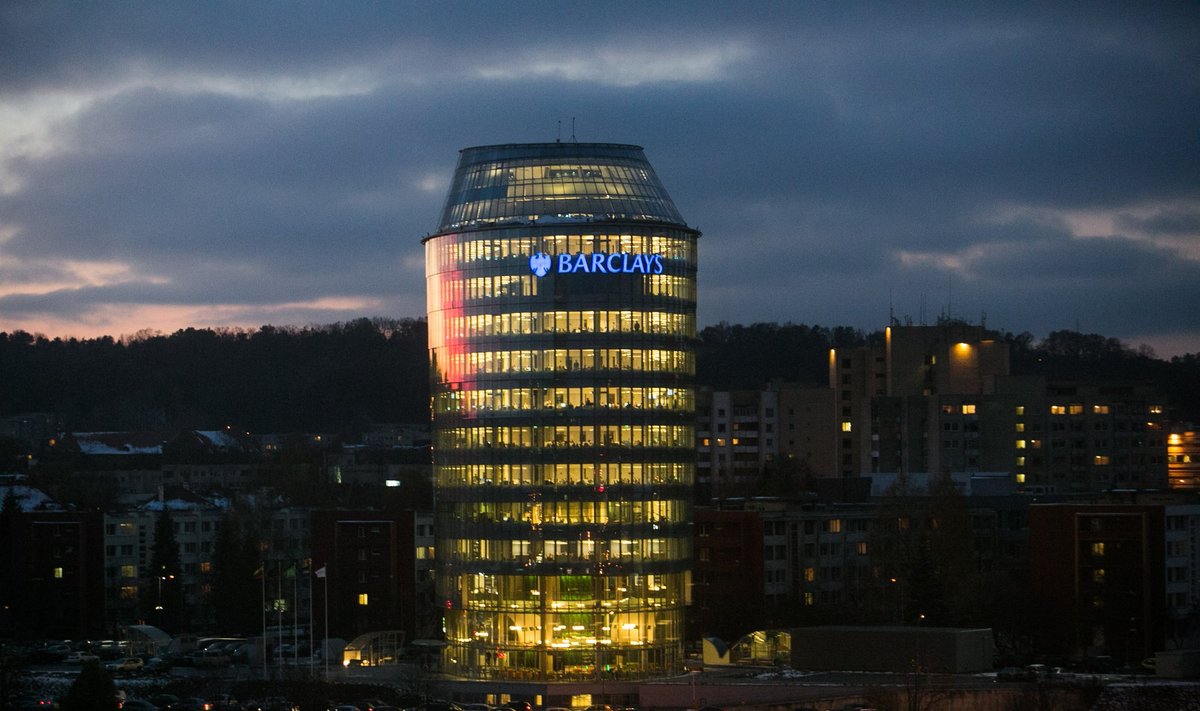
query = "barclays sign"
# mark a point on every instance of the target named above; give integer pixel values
(542, 264)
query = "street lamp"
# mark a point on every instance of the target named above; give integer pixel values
(900, 596)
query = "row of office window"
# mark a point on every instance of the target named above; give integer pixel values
(454, 251)
(1077, 408)
(539, 322)
(570, 591)
(537, 513)
(604, 397)
(516, 181)
(555, 360)
(456, 292)
(550, 436)
(582, 551)
(565, 474)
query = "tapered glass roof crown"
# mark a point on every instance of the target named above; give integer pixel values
(548, 182)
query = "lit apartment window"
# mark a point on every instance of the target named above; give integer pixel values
(206, 566)
(968, 408)
(810, 575)
(1156, 409)
(846, 427)
(1020, 427)
(1020, 477)
(1020, 444)
(862, 547)
(808, 599)
(128, 571)
(1100, 409)
(1098, 549)
(1035, 444)
(1075, 409)
(1098, 575)
(1101, 460)
(834, 525)
(947, 409)
(58, 572)
(1058, 409)
(362, 598)
(1020, 410)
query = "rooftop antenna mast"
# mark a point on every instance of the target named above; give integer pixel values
(558, 136)
(573, 139)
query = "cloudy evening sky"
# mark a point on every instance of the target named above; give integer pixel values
(171, 164)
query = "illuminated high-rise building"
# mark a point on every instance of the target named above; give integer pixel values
(561, 286)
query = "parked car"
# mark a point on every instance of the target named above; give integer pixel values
(81, 658)
(156, 664)
(1013, 674)
(129, 664)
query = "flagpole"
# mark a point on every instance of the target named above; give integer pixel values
(262, 569)
(279, 615)
(295, 616)
(325, 644)
(312, 647)
(325, 653)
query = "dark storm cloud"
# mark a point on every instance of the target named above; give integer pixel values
(839, 158)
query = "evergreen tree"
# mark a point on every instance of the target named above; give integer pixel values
(93, 690)
(165, 601)
(236, 595)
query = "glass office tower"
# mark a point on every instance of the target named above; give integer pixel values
(561, 288)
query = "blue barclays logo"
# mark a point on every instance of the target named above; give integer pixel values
(597, 263)
(540, 263)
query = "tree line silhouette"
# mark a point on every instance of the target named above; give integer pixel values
(344, 377)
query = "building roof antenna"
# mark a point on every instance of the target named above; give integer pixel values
(558, 136)
(573, 139)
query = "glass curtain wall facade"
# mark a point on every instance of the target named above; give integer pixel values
(561, 289)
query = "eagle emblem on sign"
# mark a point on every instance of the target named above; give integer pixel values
(540, 264)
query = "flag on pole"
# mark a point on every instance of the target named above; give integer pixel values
(321, 572)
